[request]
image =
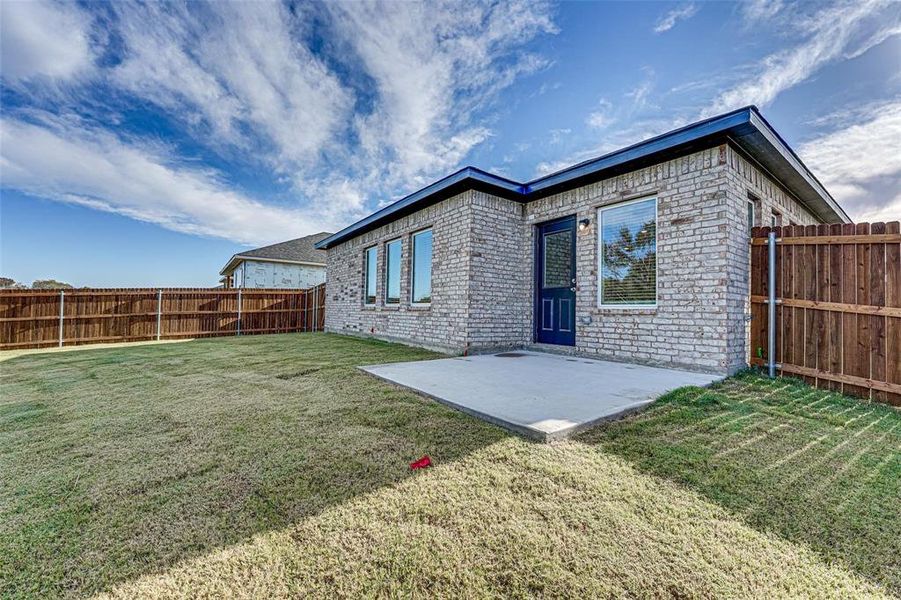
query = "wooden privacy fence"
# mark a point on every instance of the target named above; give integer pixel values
(45, 318)
(838, 306)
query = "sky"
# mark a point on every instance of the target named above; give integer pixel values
(144, 144)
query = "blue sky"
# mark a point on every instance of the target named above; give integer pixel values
(145, 144)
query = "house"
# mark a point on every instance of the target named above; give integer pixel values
(292, 264)
(641, 255)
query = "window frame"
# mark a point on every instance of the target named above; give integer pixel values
(400, 267)
(413, 237)
(375, 291)
(600, 256)
(756, 212)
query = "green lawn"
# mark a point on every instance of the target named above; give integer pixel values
(270, 466)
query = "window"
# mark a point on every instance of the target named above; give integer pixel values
(392, 273)
(754, 212)
(628, 254)
(421, 267)
(776, 219)
(558, 252)
(372, 256)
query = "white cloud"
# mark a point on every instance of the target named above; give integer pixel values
(238, 69)
(634, 132)
(397, 95)
(43, 39)
(555, 136)
(243, 70)
(826, 36)
(67, 162)
(433, 66)
(601, 117)
(640, 95)
(756, 11)
(860, 163)
(633, 125)
(669, 20)
(875, 39)
(890, 210)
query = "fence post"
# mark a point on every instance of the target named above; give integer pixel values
(159, 313)
(771, 305)
(62, 300)
(238, 331)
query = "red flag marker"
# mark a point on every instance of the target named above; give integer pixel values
(422, 463)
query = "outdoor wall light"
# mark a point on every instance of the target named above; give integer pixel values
(583, 224)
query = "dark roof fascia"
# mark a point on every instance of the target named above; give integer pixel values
(694, 137)
(466, 178)
(744, 127)
(766, 130)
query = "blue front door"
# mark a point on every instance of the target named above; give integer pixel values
(555, 282)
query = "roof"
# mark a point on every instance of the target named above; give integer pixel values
(301, 251)
(745, 128)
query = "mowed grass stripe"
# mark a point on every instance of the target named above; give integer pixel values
(822, 469)
(271, 465)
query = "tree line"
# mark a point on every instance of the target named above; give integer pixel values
(8, 283)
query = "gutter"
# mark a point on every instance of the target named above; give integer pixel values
(742, 123)
(764, 127)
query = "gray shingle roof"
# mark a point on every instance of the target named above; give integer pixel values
(299, 250)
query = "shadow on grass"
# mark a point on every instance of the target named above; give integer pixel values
(119, 463)
(809, 465)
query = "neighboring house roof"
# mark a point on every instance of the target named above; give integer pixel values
(745, 128)
(300, 251)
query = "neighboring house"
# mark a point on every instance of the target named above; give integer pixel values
(640, 255)
(292, 264)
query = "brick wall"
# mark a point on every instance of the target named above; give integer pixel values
(443, 324)
(744, 182)
(500, 302)
(482, 272)
(686, 328)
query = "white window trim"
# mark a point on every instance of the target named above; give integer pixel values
(413, 262)
(375, 292)
(600, 246)
(400, 292)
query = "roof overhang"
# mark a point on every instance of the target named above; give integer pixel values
(235, 260)
(745, 128)
(467, 178)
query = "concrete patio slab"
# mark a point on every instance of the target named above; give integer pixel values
(542, 396)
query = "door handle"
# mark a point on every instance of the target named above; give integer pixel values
(572, 289)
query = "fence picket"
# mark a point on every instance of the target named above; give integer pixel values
(834, 320)
(823, 350)
(860, 366)
(40, 318)
(893, 324)
(839, 327)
